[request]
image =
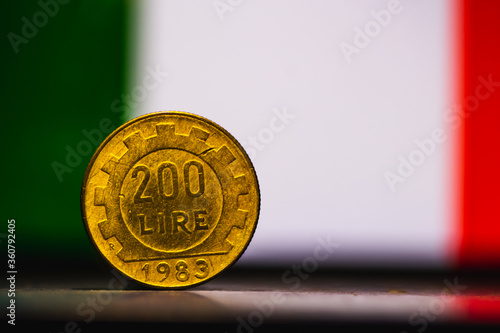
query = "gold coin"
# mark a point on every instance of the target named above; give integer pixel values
(170, 199)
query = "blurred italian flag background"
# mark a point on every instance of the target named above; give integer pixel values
(372, 124)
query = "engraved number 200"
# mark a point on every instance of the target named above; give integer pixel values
(169, 169)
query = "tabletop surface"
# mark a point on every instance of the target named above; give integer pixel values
(264, 298)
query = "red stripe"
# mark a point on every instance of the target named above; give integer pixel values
(480, 309)
(480, 241)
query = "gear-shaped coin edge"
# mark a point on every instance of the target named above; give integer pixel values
(227, 157)
(167, 138)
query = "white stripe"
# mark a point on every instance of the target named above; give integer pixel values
(322, 172)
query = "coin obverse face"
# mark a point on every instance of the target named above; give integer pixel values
(170, 199)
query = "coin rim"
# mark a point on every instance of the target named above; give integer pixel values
(112, 135)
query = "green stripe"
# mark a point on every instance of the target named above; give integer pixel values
(57, 88)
